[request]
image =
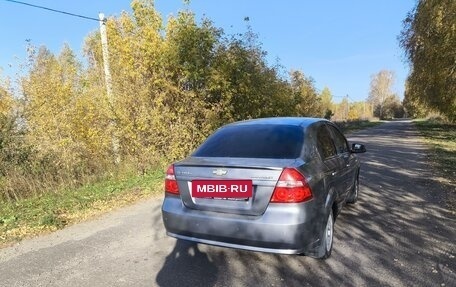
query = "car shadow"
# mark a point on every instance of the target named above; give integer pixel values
(187, 265)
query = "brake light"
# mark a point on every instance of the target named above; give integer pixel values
(291, 187)
(170, 181)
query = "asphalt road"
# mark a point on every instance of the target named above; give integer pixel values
(398, 234)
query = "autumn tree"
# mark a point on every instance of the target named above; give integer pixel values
(7, 131)
(308, 103)
(59, 116)
(355, 111)
(326, 103)
(380, 91)
(140, 81)
(15, 152)
(428, 39)
(188, 104)
(392, 108)
(412, 107)
(10, 155)
(342, 109)
(5, 100)
(48, 92)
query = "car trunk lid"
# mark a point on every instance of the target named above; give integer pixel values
(264, 174)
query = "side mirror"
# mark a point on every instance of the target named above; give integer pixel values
(358, 148)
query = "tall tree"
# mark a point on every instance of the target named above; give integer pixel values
(305, 95)
(412, 107)
(54, 113)
(380, 90)
(356, 111)
(429, 40)
(326, 103)
(12, 151)
(392, 108)
(341, 110)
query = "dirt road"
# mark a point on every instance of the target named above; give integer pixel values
(398, 234)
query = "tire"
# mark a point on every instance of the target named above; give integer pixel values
(353, 197)
(327, 238)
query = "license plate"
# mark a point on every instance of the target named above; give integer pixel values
(241, 188)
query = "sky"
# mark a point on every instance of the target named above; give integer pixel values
(340, 44)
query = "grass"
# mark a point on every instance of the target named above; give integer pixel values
(441, 138)
(55, 210)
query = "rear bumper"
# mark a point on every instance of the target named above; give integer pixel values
(283, 228)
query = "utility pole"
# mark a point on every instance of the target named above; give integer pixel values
(108, 80)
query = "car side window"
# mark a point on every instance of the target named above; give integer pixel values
(339, 141)
(325, 143)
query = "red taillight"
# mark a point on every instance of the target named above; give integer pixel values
(292, 187)
(170, 181)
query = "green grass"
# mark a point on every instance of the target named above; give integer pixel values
(441, 138)
(55, 210)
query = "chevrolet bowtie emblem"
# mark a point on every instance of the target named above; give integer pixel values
(219, 172)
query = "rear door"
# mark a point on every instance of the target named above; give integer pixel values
(327, 150)
(346, 160)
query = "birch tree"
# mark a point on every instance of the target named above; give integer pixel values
(380, 90)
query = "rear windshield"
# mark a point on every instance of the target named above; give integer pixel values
(254, 141)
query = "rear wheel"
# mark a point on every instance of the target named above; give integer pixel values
(355, 192)
(327, 238)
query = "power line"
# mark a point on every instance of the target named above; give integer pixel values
(53, 10)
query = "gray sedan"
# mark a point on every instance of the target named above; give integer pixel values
(270, 185)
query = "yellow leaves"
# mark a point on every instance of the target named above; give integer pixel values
(6, 102)
(428, 39)
(354, 114)
(145, 14)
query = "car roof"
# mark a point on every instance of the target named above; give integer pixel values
(288, 121)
